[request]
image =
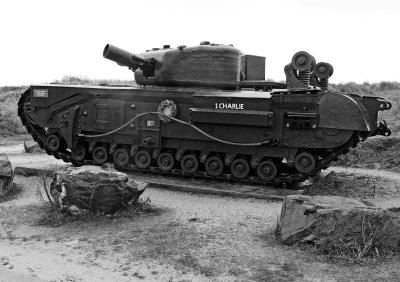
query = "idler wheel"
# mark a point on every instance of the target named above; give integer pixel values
(100, 155)
(267, 170)
(240, 168)
(142, 159)
(78, 154)
(305, 162)
(53, 142)
(189, 164)
(165, 161)
(323, 70)
(303, 61)
(214, 166)
(121, 157)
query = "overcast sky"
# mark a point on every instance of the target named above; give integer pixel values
(44, 40)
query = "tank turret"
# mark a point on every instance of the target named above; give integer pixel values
(209, 65)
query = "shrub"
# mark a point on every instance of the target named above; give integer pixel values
(10, 123)
(387, 85)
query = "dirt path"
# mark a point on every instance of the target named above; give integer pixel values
(375, 172)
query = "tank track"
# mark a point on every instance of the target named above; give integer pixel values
(39, 135)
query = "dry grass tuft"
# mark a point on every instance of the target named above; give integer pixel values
(362, 250)
(10, 193)
(10, 123)
(73, 80)
(6, 185)
(53, 216)
(378, 153)
(352, 186)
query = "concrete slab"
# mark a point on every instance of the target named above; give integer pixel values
(222, 188)
(23, 163)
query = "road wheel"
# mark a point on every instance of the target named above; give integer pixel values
(305, 162)
(53, 142)
(100, 155)
(143, 159)
(240, 168)
(121, 157)
(214, 166)
(78, 154)
(189, 164)
(267, 170)
(165, 161)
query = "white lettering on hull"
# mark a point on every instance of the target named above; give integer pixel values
(231, 106)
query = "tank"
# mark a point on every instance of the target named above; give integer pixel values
(204, 111)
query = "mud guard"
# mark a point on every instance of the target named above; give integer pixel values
(343, 112)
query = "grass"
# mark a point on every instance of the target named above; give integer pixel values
(376, 153)
(11, 193)
(352, 186)
(72, 80)
(363, 252)
(10, 123)
(51, 215)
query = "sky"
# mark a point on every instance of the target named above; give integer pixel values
(41, 41)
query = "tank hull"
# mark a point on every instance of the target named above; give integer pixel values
(278, 136)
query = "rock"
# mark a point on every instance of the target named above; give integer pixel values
(32, 147)
(321, 219)
(91, 188)
(6, 174)
(4, 260)
(5, 166)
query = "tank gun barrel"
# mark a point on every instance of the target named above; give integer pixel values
(122, 57)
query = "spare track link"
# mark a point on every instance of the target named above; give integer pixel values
(39, 135)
